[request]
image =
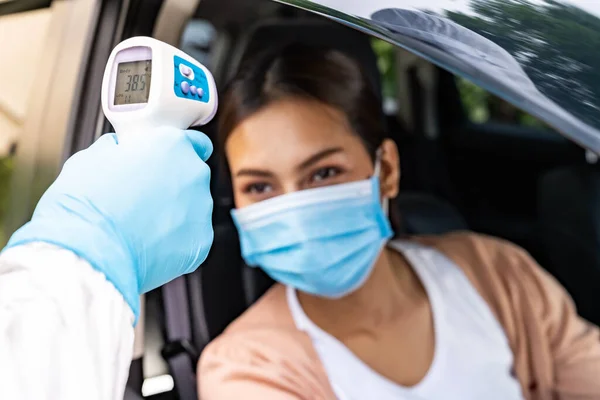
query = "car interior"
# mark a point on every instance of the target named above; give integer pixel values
(496, 175)
(523, 183)
(526, 184)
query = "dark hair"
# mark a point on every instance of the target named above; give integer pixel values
(313, 73)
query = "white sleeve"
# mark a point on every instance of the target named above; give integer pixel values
(65, 332)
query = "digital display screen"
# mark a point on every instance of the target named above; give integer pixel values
(133, 82)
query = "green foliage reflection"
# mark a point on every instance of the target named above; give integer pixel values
(555, 42)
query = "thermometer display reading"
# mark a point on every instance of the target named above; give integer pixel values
(133, 82)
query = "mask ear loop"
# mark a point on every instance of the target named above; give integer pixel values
(385, 202)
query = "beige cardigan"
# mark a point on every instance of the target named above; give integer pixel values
(262, 355)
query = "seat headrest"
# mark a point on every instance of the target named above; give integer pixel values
(423, 214)
(311, 32)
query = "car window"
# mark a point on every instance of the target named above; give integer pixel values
(483, 107)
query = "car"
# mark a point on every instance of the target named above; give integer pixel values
(494, 106)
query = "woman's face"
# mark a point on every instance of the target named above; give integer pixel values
(297, 144)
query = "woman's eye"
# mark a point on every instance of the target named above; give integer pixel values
(258, 188)
(325, 173)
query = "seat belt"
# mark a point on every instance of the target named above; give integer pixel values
(179, 352)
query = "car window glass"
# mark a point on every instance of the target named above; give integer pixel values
(483, 107)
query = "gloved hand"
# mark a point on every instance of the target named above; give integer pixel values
(139, 211)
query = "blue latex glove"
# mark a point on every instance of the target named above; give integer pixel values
(139, 211)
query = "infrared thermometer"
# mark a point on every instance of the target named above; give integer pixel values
(149, 84)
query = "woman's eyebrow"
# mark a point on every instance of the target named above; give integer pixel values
(305, 164)
(318, 157)
(254, 172)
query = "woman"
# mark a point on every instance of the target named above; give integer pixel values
(358, 314)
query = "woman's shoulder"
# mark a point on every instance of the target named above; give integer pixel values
(262, 355)
(497, 268)
(467, 242)
(511, 282)
(537, 314)
(480, 254)
(270, 315)
(269, 311)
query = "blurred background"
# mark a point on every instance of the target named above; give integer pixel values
(22, 39)
(25, 35)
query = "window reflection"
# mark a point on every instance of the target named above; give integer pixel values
(483, 107)
(555, 42)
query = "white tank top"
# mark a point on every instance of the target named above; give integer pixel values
(472, 360)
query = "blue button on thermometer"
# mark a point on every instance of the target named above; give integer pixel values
(148, 84)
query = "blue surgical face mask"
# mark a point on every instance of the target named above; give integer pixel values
(322, 241)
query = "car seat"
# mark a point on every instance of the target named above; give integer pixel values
(198, 307)
(569, 230)
(422, 213)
